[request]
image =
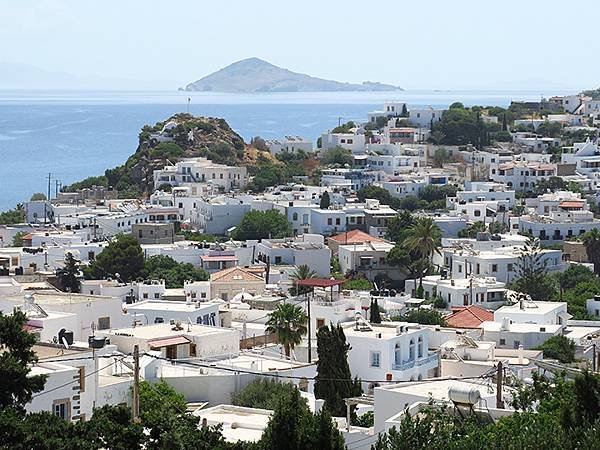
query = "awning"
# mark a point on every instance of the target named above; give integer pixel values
(166, 342)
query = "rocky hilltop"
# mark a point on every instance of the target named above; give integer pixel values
(180, 136)
(256, 75)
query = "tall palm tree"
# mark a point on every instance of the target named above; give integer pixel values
(591, 241)
(424, 238)
(303, 272)
(288, 322)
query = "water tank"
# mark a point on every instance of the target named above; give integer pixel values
(65, 336)
(464, 395)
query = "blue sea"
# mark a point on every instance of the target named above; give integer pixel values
(76, 134)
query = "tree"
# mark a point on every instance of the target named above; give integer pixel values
(404, 112)
(550, 129)
(337, 156)
(122, 256)
(325, 201)
(422, 316)
(175, 274)
(38, 196)
(166, 150)
(69, 274)
(532, 273)
(18, 385)
(334, 382)
(374, 313)
(293, 427)
(288, 322)
(358, 284)
(262, 393)
(441, 156)
(269, 224)
(472, 230)
(398, 226)
(424, 239)
(591, 241)
(302, 272)
(17, 240)
(13, 216)
(559, 347)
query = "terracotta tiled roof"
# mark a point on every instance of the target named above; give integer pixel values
(234, 274)
(469, 317)
(355, 237)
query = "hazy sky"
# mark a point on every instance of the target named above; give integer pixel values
(432, 44)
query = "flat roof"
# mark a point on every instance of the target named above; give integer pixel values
(169, 305)
(532, 307)
(438, 389)
(153, 331)
(319, 282)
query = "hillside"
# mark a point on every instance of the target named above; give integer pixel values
(183, 136)
(256, 75)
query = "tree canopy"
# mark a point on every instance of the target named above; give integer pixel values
(122, 256)
(263, 225)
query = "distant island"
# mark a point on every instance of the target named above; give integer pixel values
(257, 75)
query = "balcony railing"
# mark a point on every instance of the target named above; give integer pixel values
(405, 365)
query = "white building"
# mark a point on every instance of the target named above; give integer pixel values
(532, 312)
(521, 175)
(394, 352)
(350, 141)
(486, 292)
(307, 249)
(368, 259)
(424, 117)
(201, 170)
(152, 311)
(290, 144)
(514, 335)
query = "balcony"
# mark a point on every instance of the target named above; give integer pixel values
(406, 365)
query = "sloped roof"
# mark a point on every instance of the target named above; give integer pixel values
(234, 274)
(469, 317)
(355, 236)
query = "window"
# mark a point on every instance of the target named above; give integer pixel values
(320, 323)
(375, 359)
(91, 256)
(62, 408)
(203, 295)
(330, 221)
(516, 344)
(278, 260)
(397, 354)
(82, 379)
(172, 352)
(103, 323)
(337, 221)
(509, 267)
(295, 216)
(411, 350)
(502, 341)
(192, 349)
(145, 295)
(477, 213)
(159, 320)
(156, 295)
(420, 347)
(494, 267)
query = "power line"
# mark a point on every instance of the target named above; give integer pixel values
(76, 381)
(295, 377)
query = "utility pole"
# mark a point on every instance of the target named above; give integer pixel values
(499, 401)
(94, 228)
(57, 183)
(135, 403)
(594, 363)
(47, 200)
(309, 326)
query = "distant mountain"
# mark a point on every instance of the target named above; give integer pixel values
(256, 75)
(26, 76)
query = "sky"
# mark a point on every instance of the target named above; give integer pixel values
(437, 44)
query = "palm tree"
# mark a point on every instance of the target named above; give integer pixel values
(303, 272)
(424, 238)
(288, 322)
(591, 241)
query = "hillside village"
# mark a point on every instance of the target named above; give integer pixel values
(455, 251)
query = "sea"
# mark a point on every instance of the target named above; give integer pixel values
(75, 134)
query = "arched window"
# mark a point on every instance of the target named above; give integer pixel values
(295, 216)
(411, 352)
(397, 354)
(420, 347)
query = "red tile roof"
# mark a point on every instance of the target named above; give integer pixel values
(469, 317)
(355, 237)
